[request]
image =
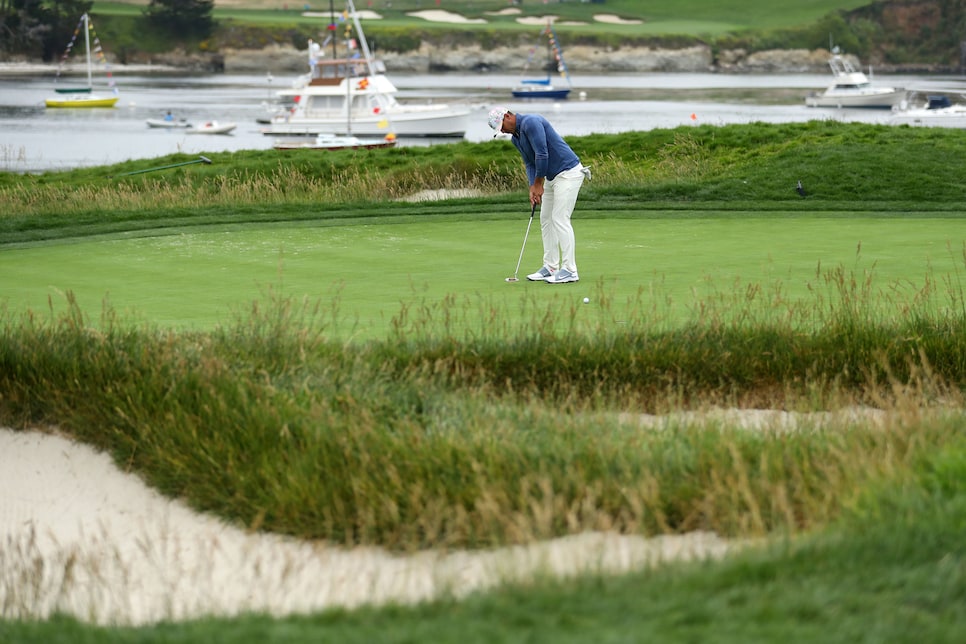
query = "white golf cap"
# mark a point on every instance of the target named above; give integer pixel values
(495, 119)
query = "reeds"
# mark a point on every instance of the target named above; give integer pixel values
(465, 428)
(282, 184)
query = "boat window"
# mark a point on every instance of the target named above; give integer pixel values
(324, 103)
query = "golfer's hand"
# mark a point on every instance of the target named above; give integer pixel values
(536, 195)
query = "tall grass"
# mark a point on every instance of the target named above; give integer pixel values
(283, 185)
(753, 166)
(472, 425)
(445, 435)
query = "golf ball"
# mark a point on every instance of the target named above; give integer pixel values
(586, 300)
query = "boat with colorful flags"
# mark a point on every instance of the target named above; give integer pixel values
(84, 96)
(544, 87)
(352, 94)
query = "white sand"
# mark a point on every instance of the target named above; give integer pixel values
(79, 536)
(611, 19)
(435, 15)
(509, 11)
(365, 14)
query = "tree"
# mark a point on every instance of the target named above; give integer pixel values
(35, 28)
(182, 18)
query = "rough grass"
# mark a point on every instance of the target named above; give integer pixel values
(430, 437)
(442, 438)
(750, 167)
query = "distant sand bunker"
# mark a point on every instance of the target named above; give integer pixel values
(364, 15)
(611, 19)
(436, 15)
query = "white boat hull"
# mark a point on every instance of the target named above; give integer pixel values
(954, 117)
(212, 128)
(336, 142)
(449, 122)
(169, 125)
(870, 99)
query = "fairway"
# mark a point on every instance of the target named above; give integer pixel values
(365, 275)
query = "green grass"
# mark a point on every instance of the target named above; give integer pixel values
(741, 24)
(365, 274)
(228, 315)
(716, 16)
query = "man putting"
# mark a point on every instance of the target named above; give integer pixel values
(555, 174)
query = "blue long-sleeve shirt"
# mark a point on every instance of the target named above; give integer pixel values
(544, 152)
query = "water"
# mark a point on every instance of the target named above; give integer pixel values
(34, 138)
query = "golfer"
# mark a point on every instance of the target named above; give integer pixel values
(555, 174)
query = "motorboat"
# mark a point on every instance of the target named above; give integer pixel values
(937, 111)
(84, 96)
(336, 142)
(212, 127)
(540, 88)
(852, 88)
(353, 95)
(168, 123)
(543, 87)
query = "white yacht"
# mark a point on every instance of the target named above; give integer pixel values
(852, 88)
(354, 96)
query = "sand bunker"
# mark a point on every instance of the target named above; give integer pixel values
(537, 20)
(543, 20)
(611, 19)
(363, 15)
(436, 15)
(83, 538)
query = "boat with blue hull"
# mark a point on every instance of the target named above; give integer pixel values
(544, 87)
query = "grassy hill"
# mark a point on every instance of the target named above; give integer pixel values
(926, 32)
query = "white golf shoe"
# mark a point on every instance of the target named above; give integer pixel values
(563, 276)
(542, 275)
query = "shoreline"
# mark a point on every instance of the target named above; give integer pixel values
(429, 58)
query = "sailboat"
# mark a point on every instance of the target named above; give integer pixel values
(84, 96)
(542, 87)
(354, 95)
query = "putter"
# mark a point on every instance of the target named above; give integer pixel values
(514, 278)
(200, 159)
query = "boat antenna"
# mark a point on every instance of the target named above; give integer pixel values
(331, 28)
(87, 42)
(362, 37)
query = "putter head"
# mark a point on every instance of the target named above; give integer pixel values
(512, 279)
(206, 160)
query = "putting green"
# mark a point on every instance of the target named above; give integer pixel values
(364, 275)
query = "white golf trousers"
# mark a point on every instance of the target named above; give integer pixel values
(556, 208)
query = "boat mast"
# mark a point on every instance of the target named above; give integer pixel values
(87, 42)
(362, 37)
(331, 28)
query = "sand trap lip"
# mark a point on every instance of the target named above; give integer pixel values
(113, 551)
